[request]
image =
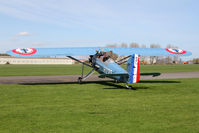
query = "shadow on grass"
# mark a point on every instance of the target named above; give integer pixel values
(118, 86)
(108, 83)
(59, 82)
(150, 81)
(104, 82)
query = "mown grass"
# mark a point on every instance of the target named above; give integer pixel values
(157, 106)
(31, 70)
(170, 68)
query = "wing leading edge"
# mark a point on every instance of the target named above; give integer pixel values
(85, 51)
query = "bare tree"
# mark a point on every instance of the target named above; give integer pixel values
(143, 46)
(111, 45)
(134, 45)
(143, 59)
(155, 45)
(174, 59)
(154, 59)
(124, 45)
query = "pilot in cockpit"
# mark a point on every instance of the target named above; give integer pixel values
(104, 56)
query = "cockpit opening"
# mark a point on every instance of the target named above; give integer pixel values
(104, 56)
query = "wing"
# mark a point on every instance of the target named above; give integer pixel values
(85, 51)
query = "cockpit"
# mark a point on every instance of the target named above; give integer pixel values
(104, 57)
(107, 57)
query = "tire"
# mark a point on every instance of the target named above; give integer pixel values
(79, 80)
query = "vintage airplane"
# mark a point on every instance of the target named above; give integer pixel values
(103, 60)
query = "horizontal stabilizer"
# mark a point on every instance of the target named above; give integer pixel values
(112, 75)
(150, 74)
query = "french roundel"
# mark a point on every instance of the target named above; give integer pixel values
(24, 51)
(175, 51)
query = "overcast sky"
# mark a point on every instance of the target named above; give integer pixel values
(67, 23)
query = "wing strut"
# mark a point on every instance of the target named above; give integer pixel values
(123, 60)
(79, 61)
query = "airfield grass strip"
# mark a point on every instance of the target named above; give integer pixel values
(38, 70)
(157, 106)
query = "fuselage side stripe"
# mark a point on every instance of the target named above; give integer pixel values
(132, 67)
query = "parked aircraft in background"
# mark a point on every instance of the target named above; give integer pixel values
(103, 60)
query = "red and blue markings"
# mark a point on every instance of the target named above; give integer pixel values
(175, 51)
(135, 69)
(24, 51)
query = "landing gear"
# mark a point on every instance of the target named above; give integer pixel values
(82, 78)
(116, 81)
(130, 87)
(79, 80)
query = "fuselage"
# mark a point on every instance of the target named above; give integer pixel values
(106, 65)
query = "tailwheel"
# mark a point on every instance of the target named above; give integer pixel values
(79, 80)
(116, 81)
(130, 87)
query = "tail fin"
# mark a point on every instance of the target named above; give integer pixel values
(133, 68)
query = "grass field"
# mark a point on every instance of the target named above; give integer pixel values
(158, 106)
(29, 70)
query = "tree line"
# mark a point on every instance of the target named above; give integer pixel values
(4, 54)
(151, 59)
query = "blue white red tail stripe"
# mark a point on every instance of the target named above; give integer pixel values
(134, 75)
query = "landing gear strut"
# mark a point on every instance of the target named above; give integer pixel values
(80, 79)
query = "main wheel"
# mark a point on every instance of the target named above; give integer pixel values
(79, 80)
(116, 81)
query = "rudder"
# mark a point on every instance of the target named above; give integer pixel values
(133, 68)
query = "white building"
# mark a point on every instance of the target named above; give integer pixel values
(13, 60)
